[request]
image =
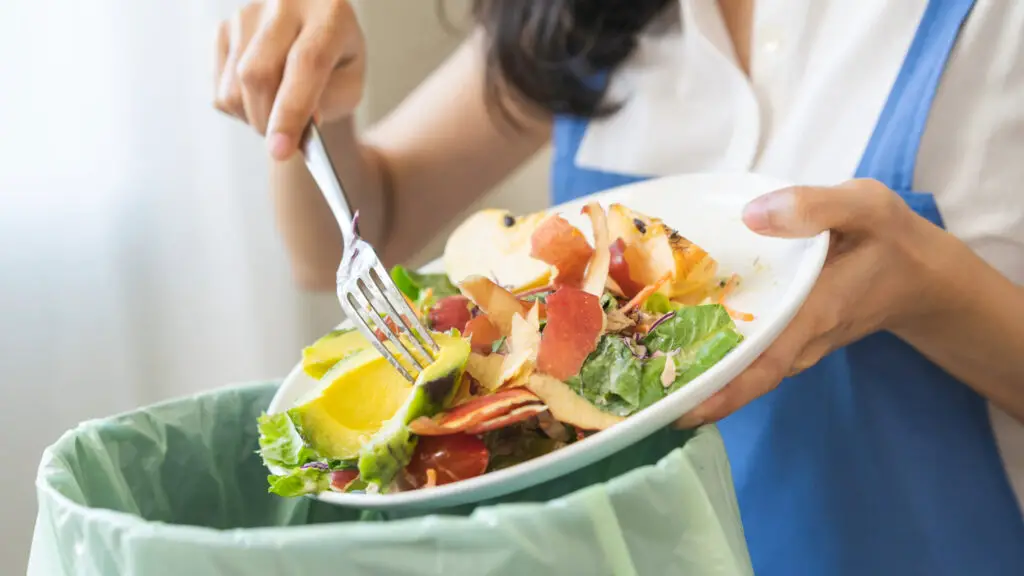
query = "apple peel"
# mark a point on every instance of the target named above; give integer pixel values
(569, 407)
(486, 369)
(498, 304)
(473, 413)
(482, 334)
(597, 270)
(523, 345)
(575, 322)
(514, 416)
(564, 247)
(618, 269)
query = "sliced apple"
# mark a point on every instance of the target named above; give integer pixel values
(575, 322)
(569, 407)
(563, 246)
(498, 304)
(474, 413)
(597, 270)
(496, 242)
(653, 249)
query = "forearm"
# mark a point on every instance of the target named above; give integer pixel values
(976, 333)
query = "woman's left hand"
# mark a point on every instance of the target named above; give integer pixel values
(876, 276)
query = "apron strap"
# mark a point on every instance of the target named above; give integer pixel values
(891, 154)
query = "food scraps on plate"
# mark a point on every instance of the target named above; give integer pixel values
(545, 338)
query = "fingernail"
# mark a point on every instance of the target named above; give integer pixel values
(769, 212)
(280, 145)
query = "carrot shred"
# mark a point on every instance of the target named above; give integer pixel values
(727, 289)
(646, 293)
(736, 315)
(431, 478)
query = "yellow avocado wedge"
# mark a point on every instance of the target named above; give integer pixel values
(320, 356)
(361, 392)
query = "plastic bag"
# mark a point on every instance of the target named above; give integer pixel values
(178, 488)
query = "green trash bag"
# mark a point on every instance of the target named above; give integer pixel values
(178, 489)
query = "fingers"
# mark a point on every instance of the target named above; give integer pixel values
(805, 341)
(240, 30)
(309, 67)
(262, 65)
(221, 48)
(802, 212)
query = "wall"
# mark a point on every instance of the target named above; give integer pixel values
(402, 51)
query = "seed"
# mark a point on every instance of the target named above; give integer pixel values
(640, 226)
(510, 221)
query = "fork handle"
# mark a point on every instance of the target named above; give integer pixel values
(318, 161)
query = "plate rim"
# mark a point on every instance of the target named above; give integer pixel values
(576, 455)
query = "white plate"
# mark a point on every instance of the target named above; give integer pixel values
(706, 208)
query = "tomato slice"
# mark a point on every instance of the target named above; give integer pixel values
(450, 312)
(452, 458)
(340, 479)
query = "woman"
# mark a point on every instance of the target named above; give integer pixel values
(861, 442)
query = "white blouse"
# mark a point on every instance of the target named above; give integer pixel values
(691, 108)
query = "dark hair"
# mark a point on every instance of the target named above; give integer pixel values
(549, 54)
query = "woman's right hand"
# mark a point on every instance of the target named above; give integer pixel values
(281, 63)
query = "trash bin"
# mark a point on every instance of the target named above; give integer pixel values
(178, 489)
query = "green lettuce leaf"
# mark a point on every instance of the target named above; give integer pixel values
(688, 327)
(413, 284)
(299, 482)
(281, 444)
(695, 338)
(611, 376)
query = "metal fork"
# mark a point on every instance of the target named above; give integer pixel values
(365, 290)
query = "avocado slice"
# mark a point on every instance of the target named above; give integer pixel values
(356, 396)
(320, 356)
(391, 448)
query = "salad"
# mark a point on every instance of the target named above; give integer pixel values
(545, 340)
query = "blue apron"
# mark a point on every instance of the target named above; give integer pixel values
(875, 461)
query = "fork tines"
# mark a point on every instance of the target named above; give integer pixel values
(373, 298)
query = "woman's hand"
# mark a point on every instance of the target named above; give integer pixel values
(876, 277)
(282, 62)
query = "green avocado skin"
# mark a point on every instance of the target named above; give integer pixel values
(391, 448)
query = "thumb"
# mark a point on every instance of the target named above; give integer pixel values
(806, 211)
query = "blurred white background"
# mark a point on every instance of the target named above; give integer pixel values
(138, 255)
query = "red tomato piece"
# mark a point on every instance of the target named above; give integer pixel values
(452, 458)
(340, 479)
(562, 245)
(450, 312)
(575, 321)
(619, 269)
